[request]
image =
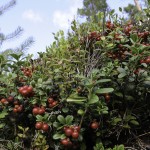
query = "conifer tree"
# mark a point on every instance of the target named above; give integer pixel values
(92, 7)
(15, 34)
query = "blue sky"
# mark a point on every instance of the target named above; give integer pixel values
(41, 18)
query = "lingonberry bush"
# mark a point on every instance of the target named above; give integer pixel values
(88, 91)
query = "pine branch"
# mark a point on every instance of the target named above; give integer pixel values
(15, 34)
(25, 45)
(7, 6)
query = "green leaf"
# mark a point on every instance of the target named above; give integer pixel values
(39, 117)
(120, 9)
(104, 90)
(118, 147)
(126, 126)
(20, 135)
(65, 110)
(133, 38)
(146, 83)
(61, 119)
(121, 147)
(134, 122)
(40, 81)
(121, 75)
(76, 99)
(110, 45)
(63, 136)
(103, 38)
(92, 99)
(119, 94)
(2, 125)
(105, 112)
(21, 128)
(89, 83)
(57, 136)
(121, 70)
(16, 56)
(116, 120)
(103, 81)
(129, 98)
(3, 114)
(130, 117)
(112, 12)
(69, 119)
(56, 124)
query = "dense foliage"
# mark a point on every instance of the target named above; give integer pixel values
(88, 91)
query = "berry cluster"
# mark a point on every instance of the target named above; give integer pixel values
(146, 60)
(5, 101)
(109, 25)
(26, 91)
(38, 111)
(27, 71)
(42, 126)
(17, 108)
(51, 102)
(71, 132)
(94, 35)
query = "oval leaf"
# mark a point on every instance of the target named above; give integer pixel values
(61, 119)
(104, 90)
(57, 136)
(69, 119)
(93, 99)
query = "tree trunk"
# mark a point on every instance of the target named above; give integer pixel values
(137, 5)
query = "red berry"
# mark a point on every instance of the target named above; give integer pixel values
(68, 132)
(25, 87)
(147, 60)
(30, 89)
(50, 105)
(20, 89)
(16, 106)
(45, 127)
(10, 98)
(64, 142)
(4, 101)
(41, 111)
(15, 110)
(24, 92)
(16, 102)
(77, 128)
(107, 97)
(64, 128)
(38, 125)
(142, 61)
(35, 111)
(50, 100)
(75, 134)
(54, 103)
(94, 125)
(19, 109)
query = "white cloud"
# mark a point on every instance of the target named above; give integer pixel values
(63, 18)
(32, 16)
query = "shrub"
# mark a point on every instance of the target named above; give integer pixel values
(87, 91)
